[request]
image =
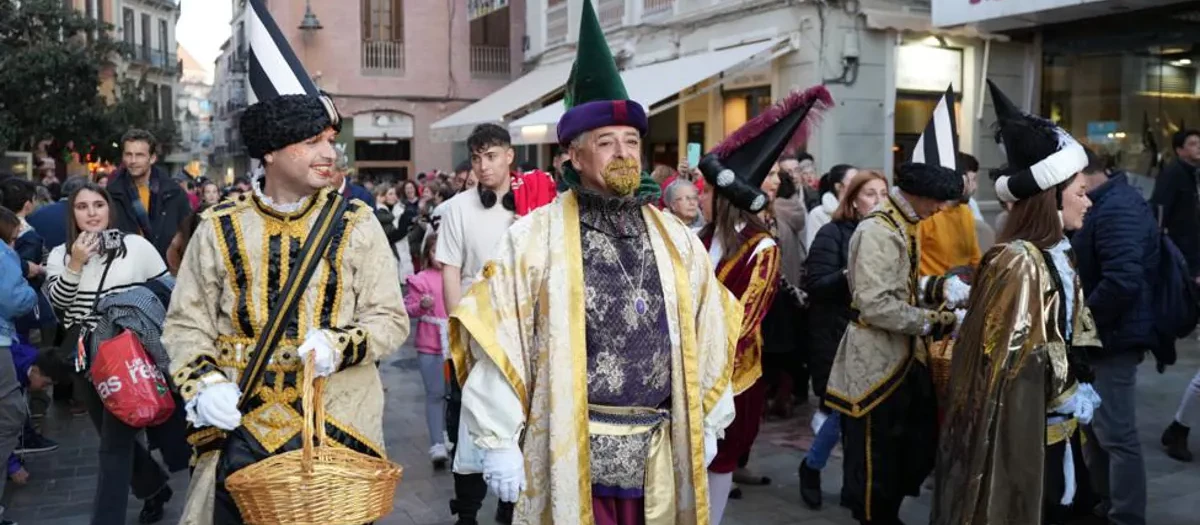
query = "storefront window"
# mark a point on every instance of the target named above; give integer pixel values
(741, 105)
(1125, 83)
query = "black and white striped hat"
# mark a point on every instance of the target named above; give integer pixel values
(286, 106)
(1040, 154)
(932, 170)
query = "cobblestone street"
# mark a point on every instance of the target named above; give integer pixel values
(62, 482)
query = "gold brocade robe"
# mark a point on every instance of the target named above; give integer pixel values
(519, 332)
(237, 260)
(1010, 367)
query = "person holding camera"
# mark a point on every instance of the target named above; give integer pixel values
(95, 262)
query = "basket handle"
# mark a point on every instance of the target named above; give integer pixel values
(311, 402)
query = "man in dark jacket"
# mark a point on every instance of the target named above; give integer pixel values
(145, 201)
(1117, 255)
(1176, 200)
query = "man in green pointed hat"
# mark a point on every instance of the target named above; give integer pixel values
(594, 350)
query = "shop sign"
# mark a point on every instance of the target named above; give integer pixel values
(481, 8)
(958, 12)
(920, 67)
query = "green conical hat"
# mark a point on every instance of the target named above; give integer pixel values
(594, 75)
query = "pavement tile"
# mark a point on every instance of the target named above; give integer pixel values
(63, 482)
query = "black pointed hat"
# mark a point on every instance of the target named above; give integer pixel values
(738, 165)
(932, 171)
(286, 106)
(1040, 154)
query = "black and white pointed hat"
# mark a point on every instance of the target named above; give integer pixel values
(286, 106)
(1040, 154)
(932, 171)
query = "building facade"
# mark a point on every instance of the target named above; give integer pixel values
(393, 67)
(1122, 77)
(704, 67)
(193, 115)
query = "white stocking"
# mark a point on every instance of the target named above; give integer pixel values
(719, 486)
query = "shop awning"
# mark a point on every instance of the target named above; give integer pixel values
(653, 83)
(493, 108)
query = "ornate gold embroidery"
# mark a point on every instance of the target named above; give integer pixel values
(234, 352)
(273, 424)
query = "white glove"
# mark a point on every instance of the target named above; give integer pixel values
(1082, 404)
(956, 291)
(960, 315)
(216, 406)
(710, 448)
(504, 472)
(326, 360)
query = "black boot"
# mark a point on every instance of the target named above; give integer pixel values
(810, 485)
(504, 513)
(152, 509)
(1175, 440)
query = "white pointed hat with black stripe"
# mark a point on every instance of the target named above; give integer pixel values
(932, 170)
(1040, 154)
(286, 106)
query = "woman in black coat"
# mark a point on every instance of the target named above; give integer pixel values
(829, 314)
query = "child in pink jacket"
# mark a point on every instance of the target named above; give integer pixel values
(425, 302)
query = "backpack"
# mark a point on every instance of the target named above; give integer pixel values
(1176, 301)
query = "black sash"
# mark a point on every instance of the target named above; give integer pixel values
(310, 256)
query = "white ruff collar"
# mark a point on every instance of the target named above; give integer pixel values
(259, 181)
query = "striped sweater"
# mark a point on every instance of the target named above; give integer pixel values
(74, 294)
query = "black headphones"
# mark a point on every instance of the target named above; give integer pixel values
(488, 199)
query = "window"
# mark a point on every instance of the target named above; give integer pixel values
(146, 29)
(164, 41)
(167, 103)
(383, 20)
(151, 95)
(128, 27)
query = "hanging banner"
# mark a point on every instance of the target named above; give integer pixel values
(481, 8)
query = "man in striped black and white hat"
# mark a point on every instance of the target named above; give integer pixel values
(880, 382)
(288, 271)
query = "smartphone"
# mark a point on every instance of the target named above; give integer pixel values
(693, 154)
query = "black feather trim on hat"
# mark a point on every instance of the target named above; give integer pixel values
(273, 124)
(930, 181)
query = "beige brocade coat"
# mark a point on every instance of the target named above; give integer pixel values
(876, 351)
(237, 257)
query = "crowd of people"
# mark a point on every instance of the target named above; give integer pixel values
(599, 344)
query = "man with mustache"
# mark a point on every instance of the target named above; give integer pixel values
(594, 350)
(237, 353)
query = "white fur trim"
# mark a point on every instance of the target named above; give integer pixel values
(1066, 162)
(1002, 191)
(762, 245)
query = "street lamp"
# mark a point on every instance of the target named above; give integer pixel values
(310, 21)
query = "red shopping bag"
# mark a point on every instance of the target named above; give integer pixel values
(131, 387)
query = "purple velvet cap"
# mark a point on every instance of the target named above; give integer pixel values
(599, 113)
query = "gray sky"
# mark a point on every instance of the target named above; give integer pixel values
(203, 27)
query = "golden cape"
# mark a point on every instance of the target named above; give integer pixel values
(1010, 367)
(523, 322)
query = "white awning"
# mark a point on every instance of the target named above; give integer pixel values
(651, 84)
(508, 99)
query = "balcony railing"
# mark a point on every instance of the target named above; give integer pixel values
(154, 58)
(491, 61)
(657, 7)
(383, 57)
(611, 13)
(556, 24)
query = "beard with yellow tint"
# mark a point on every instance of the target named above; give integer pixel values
(622, 176)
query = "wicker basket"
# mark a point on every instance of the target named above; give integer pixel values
(317, 484)
(940, 353)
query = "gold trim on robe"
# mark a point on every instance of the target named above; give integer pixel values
(524, 322)
(1010, 369)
